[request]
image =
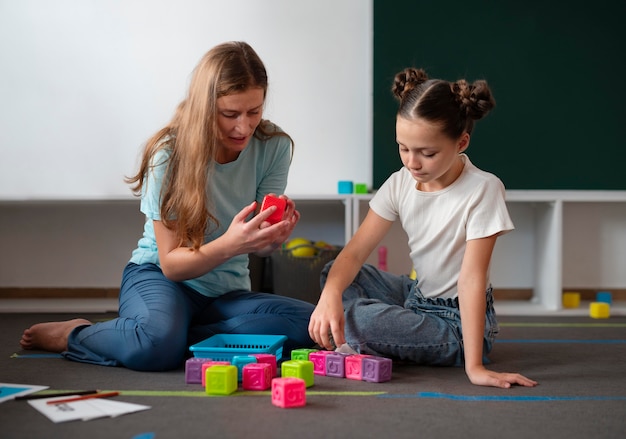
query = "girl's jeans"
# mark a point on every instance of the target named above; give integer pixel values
(159, 319)
(387, 315)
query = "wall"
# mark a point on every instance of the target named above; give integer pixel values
(84, 83)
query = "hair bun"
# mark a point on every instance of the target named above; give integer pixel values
(407, 80)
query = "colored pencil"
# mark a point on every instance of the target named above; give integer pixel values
(81, 398)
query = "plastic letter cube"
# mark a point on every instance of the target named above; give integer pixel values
(240, 361)
(257, 376)
(376, 369)
(193, 370)
(301, 354)
(208, 364)
(269, 359)
(599, 310)
(288, 392)
(302, 369)
(221, 380)
(571, 300)
(335, 365)
(354, 366)
(319, 361)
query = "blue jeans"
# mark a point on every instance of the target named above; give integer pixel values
(387, 315)
(159, 319)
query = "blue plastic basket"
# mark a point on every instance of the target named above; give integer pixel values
(223, 347)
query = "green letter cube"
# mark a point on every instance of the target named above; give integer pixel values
(221, 380)
(302, 369)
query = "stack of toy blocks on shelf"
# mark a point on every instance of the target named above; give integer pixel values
(601, 308)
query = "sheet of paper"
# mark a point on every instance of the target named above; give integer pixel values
(10, 391)
(84, 410)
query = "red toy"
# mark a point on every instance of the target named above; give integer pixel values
(280, 204)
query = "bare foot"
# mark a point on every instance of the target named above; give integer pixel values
(51, 336)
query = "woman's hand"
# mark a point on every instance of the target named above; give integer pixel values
(328, 318)
(484, 377)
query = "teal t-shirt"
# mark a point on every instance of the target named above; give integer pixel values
(261, 168)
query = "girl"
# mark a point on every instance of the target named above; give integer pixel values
(453, 213)
(201, 179)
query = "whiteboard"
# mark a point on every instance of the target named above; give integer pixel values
(84, 83)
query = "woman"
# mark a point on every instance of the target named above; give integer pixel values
(201, 180)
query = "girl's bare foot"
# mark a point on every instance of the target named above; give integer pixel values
(51, 336)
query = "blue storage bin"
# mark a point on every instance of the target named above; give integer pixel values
(223, 347)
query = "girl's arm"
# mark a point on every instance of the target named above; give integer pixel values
(472, 303)
(180, 262)
(328, 314)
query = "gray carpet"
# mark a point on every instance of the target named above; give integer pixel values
(579, 363)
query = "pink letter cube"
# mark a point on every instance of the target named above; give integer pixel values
(257, 376)
(288, 392)
(319, 361)
(269, 359)
(354, 366)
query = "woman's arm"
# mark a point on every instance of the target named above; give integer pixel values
(328, 314)
(472, 302)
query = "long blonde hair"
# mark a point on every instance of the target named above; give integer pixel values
(191, 136)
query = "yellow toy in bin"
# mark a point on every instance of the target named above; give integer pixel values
(301, 247)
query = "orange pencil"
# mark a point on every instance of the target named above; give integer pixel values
(80, 398)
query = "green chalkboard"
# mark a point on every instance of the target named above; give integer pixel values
(557, 70)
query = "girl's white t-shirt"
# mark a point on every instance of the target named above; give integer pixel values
(439, 224)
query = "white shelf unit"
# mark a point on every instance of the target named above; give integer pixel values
(563, 239)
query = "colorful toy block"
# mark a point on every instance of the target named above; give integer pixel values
(604, 296)
(221, 380)
(599, 310)
(345, 187)
(376, 369)
(193, 369)
(240, 361)
(360, 188)
(280, 204)
(335, 365)
(354, 366)
(301, 354)
(208, 364)
(288, 392)
(257, 376)
(269, 359)
(319, 361)
(302, 369)
(571, 300)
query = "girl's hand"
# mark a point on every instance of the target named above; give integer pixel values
(484, 377)
(327, 318)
